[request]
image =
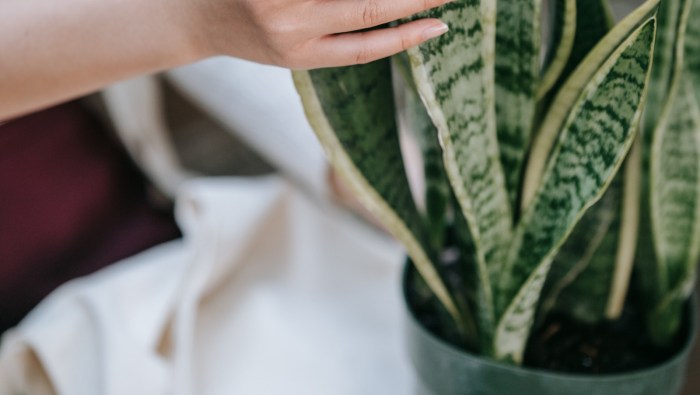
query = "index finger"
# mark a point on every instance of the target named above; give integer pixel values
(342, 16)
(364, 47)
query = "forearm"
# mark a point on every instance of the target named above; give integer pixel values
(52, 50)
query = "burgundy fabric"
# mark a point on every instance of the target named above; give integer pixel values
(71, 202)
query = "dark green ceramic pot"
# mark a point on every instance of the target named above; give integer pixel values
(442, 369)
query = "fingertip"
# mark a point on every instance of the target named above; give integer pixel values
(435, 29)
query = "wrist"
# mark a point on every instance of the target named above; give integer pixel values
(190, 19)
(181, 21)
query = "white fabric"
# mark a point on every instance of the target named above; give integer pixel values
(266, 294)
(257, 103)
(261, 106)
(135, 108)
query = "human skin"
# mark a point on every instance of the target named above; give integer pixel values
(56, 50)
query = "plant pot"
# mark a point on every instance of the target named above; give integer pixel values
(443, 369)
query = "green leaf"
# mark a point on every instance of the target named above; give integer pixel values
(455, 78)
(579, 280)
(352, 112)
(517, 77)
(562, 16)
(675, 207)
(590, 275)
(568, 94)
(593, 20)
(629, 232)
(437, 188)
(599, 109)
(692, 49)
(661, 289)
(664, 64)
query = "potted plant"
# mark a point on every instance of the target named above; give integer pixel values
(556, 249)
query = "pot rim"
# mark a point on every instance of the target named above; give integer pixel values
(450, 349)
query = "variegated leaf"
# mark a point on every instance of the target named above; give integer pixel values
(593, 20)
(562, 17)
(589, 240)
(437, 190)
(565, 97)
(628, 233)
(455, 78)
(581, 274)
(664, 63)
(517, 77)
(675, 208)
(586, 298)
(352, 112)
(590, 276)
(665, 82)
(692, 48)
(438, 204)
(597, 130)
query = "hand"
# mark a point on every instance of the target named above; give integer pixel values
(304, 34)
(54, 51)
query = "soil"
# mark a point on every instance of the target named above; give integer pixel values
(561, 344)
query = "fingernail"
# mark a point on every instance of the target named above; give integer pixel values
(435, 30)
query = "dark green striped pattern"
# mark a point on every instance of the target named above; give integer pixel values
(561, 15)
(568, 94)
(665, 65)
(580, 278)
(517, 73)
(454, 76)
(664, 288)
(593, 21)
(358, 102)
(591, 146)
(676, 181)
(437, 189)
(675, 206)
(692, 49)
(664, 60)
(352, 111)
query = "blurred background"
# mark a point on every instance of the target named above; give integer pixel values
(91, 182)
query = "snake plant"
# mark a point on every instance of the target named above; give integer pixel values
(564, 161)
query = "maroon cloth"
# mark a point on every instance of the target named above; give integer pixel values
(71, 202)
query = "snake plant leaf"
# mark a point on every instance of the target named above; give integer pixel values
(664, 63)
(351, 109)
(562, 16)
(579, 279)
(664, 86)
(590, 275)
(455, 78)
(586, 298)
(692, 49)
(440, 203)
(589, 242)
(675, 207)
(437, 189)
(668, 63)
(597, 131)
(517, 78)
(585, 23)
(565, 96)
(593, 20)
(628, 233)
